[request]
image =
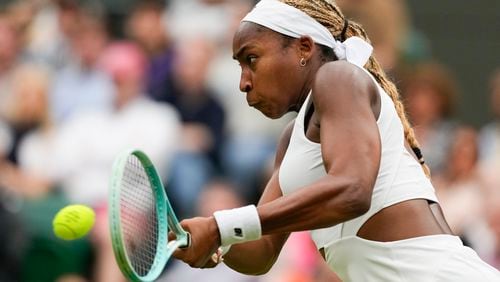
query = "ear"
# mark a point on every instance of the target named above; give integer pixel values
(306, 47)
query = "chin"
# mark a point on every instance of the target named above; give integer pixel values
(272, 115)
(270, 111)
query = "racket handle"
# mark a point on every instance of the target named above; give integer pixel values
(188, 241)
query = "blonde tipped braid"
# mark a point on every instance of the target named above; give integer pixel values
(329, 15)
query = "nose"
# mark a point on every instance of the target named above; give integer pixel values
(245, 82)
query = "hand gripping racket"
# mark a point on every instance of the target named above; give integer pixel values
(140, 218)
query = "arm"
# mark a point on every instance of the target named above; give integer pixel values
(257, 257)
(351, 154)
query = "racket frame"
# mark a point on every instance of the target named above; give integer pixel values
(165, 216)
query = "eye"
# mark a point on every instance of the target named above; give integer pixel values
(251, 59)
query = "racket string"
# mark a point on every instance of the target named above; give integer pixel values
(139, 216)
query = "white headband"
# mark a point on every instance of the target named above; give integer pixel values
(291, 21)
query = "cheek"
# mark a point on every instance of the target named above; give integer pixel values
(277, 81)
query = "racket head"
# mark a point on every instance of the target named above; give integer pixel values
(139, 217)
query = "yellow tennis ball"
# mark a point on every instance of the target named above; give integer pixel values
(73, 222)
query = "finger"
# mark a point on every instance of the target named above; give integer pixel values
(171, 236)
(214, 260)
(210, 264)
(180, 254)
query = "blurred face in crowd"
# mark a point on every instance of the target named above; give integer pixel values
(387, 27)
(89, 41)
(8, 44)
(68, 18)
(126, 64)
(217, 196)
(192, 62)
(430, 93)
(30, 89)
(146, 27)
(271, 75)
(464, 152)
(424, 104)
(495, 94)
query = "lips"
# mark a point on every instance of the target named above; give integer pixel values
(252, 103)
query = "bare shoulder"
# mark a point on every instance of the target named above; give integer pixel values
(346, 81)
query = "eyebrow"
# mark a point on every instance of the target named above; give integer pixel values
(240, 51)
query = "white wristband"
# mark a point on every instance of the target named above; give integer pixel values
(238, 225)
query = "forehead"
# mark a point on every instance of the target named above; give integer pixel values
(253, 35)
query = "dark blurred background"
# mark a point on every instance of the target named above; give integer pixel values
(465, 36)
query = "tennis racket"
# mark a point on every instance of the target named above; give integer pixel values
(140, 218)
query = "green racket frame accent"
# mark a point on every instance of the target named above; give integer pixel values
(165, 214)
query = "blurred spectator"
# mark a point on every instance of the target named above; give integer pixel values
(387, 28)
(460, 187)
(9, 245)
(117, 13)
(193, 18)
(490, 137)
(32, 185)
(52, 28)
(30, 114)
(91, 139)
(430, 94)
(82, 84)
(201, 112)
(395, 41)
(203, 122)
(147, 27)
(10, 49)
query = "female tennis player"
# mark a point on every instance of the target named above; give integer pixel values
(342, 168)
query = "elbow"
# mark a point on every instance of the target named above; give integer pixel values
(356, 200)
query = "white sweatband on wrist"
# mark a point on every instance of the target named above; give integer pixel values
(238, 225)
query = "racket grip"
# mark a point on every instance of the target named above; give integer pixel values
(188, 241)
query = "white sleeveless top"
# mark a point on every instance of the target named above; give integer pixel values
(400, 176)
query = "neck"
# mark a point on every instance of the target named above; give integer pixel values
(310, 73)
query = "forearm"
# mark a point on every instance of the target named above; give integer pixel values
(255, 257)
(327, 202)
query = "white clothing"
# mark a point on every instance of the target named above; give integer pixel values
(89, 142)
(400, 178)
(76, 89)
(37, 154)
(192, 18)
(429, 258)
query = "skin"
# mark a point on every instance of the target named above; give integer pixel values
(346, 107)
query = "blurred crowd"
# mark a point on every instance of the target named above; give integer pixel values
(82, 80)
